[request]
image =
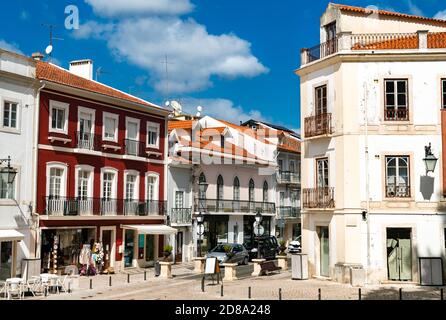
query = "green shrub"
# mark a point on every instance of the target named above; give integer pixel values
(168, 248)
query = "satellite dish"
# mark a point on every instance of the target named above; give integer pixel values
(198, 114)
(199, 108)
(49, 49)
(176, 106)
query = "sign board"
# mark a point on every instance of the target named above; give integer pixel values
(200, 229)
(211, 266)
(258, 229)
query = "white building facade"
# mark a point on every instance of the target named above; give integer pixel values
(371, 103)
(18, 91)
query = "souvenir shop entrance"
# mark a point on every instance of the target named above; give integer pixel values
(9, 240)
(107, 237)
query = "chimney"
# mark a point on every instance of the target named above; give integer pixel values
(37, 56)
(82, 68)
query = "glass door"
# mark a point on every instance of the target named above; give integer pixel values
(150, 249)
(85, 131)
(132, 138)
(129, 248)
(324, 251)
(5, 260)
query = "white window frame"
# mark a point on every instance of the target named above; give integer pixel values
(116, 118)
(115, 181)
(157, 126)
(18, 114)
(136, 191)
(58, 105)
(63, 183)
(90, 169)
(89, 111)
(156, 194)
(134, 120)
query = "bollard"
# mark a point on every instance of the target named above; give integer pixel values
(319, 294)
(401, 293)
(110, 281)
(441, 294)
(128, 277)
(91, 283)
(249, 292)
(359, 294)
(221, 290)
(202, 284)
(280, 293)
(145, 275)
(69, 287)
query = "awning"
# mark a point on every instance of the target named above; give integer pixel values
(11, 235)
(151, 228)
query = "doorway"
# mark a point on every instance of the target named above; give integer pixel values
(399, 254)
(324, 246)
(6, 260)
(129, 248)
(107, 239)
(179, 247)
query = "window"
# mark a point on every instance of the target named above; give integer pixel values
(322, 172)
(110, 127)
(58, 117)
(201, 193)
(153, 130)
(55, 182)
(251, 190)
(397, 177)
(222, 141)
(132, 137)
(82, 186)
(10, 112)
(443, 93)
(292, 166)
(265, 191)
(7, 190)
(108, 185)
(321, 100)
(85, 128)
(220, 188)
(282, 198)
(152, 187)
(280, 164)
(331, 47)
(236, 190)
(396, 100)
(130, 187)
(179, 199)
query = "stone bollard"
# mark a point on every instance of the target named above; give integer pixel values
(166, 269)
(230, 271)
(282, 262)
(199, 265)
(257, 267)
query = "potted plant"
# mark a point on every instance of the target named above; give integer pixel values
(282, 248)
(167, 251)
(228, 250)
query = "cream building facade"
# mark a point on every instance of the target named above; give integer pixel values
(370, 103)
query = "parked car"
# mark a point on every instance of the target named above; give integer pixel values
(229, 253)
(295, 246)
(269, 247)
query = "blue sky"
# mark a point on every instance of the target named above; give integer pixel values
(234, 57)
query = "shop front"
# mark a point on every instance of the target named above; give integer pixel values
(141, 244)
(8, 253)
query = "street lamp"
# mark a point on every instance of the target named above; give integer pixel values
(202, 188)
(8, 173)
(259, 229)
(430, 160)
(200, 219)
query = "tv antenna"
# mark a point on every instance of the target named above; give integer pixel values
(49, 48)
(100, 71)
(166, 63)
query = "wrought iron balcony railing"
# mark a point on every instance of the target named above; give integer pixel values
(288, 177)
(318, 125)
(181, 216)
(288, 212)
(322, 197)
(216, 205)
(88, 141)
(401, 190)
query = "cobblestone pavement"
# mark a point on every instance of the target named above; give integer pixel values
(186, 285)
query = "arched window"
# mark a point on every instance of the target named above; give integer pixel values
(251, 190)
(236, 190)
(265, 191)
(220, 188)
(201, 193)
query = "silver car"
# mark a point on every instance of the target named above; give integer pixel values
(229, 253)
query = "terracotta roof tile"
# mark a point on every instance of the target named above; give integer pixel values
(434, 41)
(52, 73)
(180, 124)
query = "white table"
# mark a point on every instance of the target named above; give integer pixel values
(49, 280)
(14, 285)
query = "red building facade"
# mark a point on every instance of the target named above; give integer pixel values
(101, 172)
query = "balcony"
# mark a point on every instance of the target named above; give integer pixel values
(319, 51)
(288, 177)
(318, 125)
(134, 148)
(63, 206)
(288, 212)
(215, 205)
(401, 190)
(181, 216)
(320, 198)
(396, 115)
(88, 141)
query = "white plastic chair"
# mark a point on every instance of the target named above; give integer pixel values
(63, 283)
(14, 288)
(3, 289)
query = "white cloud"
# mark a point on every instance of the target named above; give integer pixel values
(414, 9)
(440, 15)
(13, 47)
(140, 7)
(24, 15)
(92, 29)
(194, 55)
(221, 109)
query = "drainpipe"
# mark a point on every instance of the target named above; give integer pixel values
(367, 179)
(35, 155)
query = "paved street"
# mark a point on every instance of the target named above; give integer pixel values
(187, 286)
